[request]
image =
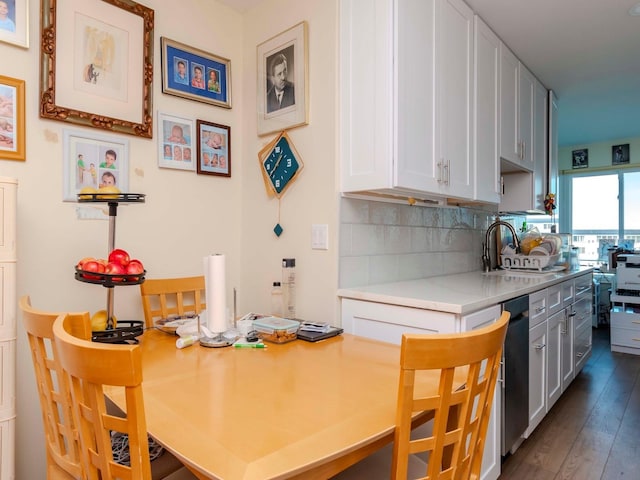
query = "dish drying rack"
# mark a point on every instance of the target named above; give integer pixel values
(528, 262)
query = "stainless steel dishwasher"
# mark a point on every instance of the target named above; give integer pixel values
(515, 374)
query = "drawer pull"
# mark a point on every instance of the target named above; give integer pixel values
(540, 346)
(636, 322)
(539, 309)
(636, 339)
(579, 354)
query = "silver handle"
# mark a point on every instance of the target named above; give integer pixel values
(440, 171)
(446, 174)
(501, 379)
(540, 309)
(540, 346)
(524, 150)
(579, 354)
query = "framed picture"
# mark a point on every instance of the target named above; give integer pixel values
(620, 154)
(102, 76)
(94, 160)
(195, 74)
(12, 120)
(175, 142)
(214, 149)
(14, 22)
(283, 91)
(580, 158)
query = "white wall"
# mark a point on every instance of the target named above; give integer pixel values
(185, 217)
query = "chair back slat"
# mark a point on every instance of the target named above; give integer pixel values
(461, 414)
(165, 297)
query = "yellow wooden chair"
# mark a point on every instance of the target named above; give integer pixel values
(62, 450)
(454, 443)
(89, 366)
(165, 297)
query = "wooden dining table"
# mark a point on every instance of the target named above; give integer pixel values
(292, 410)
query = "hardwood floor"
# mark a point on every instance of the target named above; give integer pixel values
(593, 430)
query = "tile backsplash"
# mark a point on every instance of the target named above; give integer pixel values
(387, 242)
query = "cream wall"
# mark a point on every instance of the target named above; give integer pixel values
(313, 199)
(185, 217)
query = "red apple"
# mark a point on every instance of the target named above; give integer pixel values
(83, 261)
(92, 266)
(119, 256)
(135, 267)
(113, 268)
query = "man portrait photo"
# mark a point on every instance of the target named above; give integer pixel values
(180, 74)
(280, 90)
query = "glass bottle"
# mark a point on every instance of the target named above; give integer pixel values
(276, 299)
(289, 288)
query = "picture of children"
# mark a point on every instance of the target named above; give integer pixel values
(213, 85)
(177, 135)
(198, 77)
(108, 179)
(206, 159)
(94, 173)
(222, 162)
(109, 159)
(215, 141)
(214, 160)
(167, 150)
(186, 154)
(177, 154)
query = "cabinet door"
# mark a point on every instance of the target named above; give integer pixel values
(491, 461)
(366, 94)
(552, 146)
(537, 375)
(454, 94)
(415, 166)
(509, 134)
(539, 147)
(554, 349)
(525, 117)
(567, 347)
(537, 307)
(486, 157)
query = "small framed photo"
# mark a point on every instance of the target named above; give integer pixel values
(14, 22)
(12, 119)
(195, 74)
(175, 142)
(94, 160)
(214, 149)
(620, 154)
(283, 91)
(580, 158)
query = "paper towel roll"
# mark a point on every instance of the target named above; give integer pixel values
(216, 294)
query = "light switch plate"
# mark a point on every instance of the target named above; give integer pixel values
(320, 237)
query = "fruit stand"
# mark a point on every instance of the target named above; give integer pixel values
(111, 276)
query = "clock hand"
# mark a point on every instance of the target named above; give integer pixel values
(275, 167)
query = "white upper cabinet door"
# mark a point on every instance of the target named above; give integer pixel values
(415, 168)
(486, 120)
(454, 94)
(509, 130)
(366, 94)
(540, 149)
(526, 88)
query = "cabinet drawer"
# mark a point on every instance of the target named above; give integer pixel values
(582, 286)
(567, 292)
(387, 323)
(554, 299)
(582, 309)
(584, 328)
(537, 307)
(625, 337)
(625, 319)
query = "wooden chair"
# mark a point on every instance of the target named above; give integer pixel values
(62, 449)
(455, 443)
(171, 296)
(89, 366)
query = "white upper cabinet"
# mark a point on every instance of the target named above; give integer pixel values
(486, 113)
(406, 97)
(516, 110)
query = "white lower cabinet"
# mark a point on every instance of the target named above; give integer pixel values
(625, 324)
(388, 322)
(554, 366)
(537, 375)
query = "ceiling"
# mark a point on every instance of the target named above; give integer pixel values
(586, 51)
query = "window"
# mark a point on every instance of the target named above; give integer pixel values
(602, 211)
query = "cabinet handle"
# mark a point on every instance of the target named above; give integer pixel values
(579, 354)
(448, 172)
(540, 309)
(440, 171)
(636, 339)
(445, 172)
(636, 322)
(540, 346)
(524, 150)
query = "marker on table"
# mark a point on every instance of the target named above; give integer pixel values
(249, 345)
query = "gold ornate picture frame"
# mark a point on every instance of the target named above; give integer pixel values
(104, 78)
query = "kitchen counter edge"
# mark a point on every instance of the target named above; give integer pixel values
(461, 293)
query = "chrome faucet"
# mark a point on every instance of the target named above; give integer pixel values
(486, 257)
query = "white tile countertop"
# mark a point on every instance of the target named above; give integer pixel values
(461, 293)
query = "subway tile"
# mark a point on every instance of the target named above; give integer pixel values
(383, 269)
(397, 239)
(367, 239)
(381, 213)
(354, 271)
(354, 211)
